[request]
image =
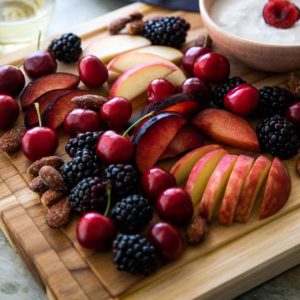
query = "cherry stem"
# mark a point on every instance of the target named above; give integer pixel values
(205, 40)
(39, 40)
(108, 193)
(149, 115)
(37, 108)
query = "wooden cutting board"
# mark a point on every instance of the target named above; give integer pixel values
(230, 261)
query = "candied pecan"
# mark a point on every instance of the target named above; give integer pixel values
(51, 197)
(59, 214)
(89, 101)
(11, 140)
(196, 230)
(37, 185)
(52, 178)
(53, 161)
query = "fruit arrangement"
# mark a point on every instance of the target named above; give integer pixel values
(146, 104)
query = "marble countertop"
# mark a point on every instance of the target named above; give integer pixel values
(17, 283)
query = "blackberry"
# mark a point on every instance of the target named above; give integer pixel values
(89, 194)
(134, 254)
(84, 164)
(85, 140)
(67, 48)
(123, 179)
(222, 89)
(273, 101)
(132, 213)
(278, 136)
(169, 31)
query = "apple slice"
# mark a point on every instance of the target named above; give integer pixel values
(227, 128)
(277, 191)
(252, 186)
(182, 168)
(45, 84)
(153, 138)
(136, 80)
(166, 52)
(234, 187)
(201, 173)
(111, 46)
(54, 115)
(186, 139)
(31, 118)
(216, 185)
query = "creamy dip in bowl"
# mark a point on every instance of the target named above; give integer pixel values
(238, 28)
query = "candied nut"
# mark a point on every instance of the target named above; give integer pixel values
(298, 166)
(53, 161)
(136, 15)
(89, 101)
(135, 27)
(117, 25)
(51, 197)
(11, 140)
(196, 230)
(59, 214)
(294, 84)
(52, 178)
(37, 185)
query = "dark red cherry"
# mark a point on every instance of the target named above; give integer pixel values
(9, 111)
(12, 80)
(159, 89)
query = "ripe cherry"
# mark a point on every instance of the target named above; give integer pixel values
(39, 64)
(116, 112)
(198, 88)
(155, 181)
(159, 89)
(167, 240)
(12, 80)
(81, 120)
(174, 205)
(212, 67)
(293, 113)
(242, 100)
(9, 111)
(92, 71)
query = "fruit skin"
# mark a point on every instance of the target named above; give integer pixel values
(156, 180)
(113, 148)
(39, 142)
(212, 67)
(197, 87)
(159, 89)
(278, 136)
(95, 231)
(92, 72)
(190, 57)
(277, 191)
(12, 80)
(81, 120)
(227, 128)
(167, 239)
(116, 112)
(174, 205)
(242, 100)
(39, 63)
(9, 111)
(281, 13)
(293, 114)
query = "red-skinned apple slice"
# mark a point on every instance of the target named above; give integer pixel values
(251, 188)
(216, 185)
(58, 109)
(47, 83)
(31, 118)
(183, 167)
(186, 139)
(234, 188)
(227, 128)
(277, 191)
(201, 173)
(153, 138)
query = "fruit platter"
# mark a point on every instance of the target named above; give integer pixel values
(140, 161)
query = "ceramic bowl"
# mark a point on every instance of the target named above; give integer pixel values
(265, 57)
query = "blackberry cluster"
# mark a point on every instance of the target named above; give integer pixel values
(88, 195)
(278, 136)
(84, 164)
(132, 213)
(168, 31)
(82, 141)
(134, 254)
(122, 178)
(222, 89)
(67, 48)
(273, 101)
